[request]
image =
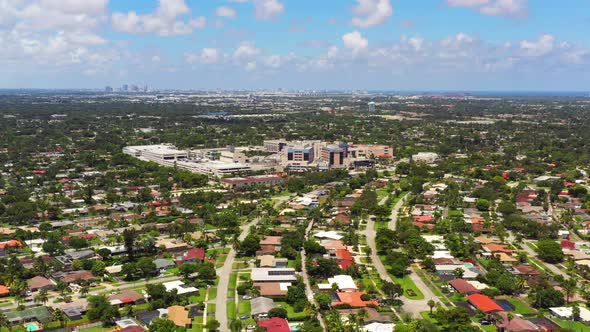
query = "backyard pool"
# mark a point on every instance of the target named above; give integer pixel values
(33, 326)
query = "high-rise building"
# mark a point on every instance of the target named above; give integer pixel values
(108, 89)
(125, 87)
(372, 106)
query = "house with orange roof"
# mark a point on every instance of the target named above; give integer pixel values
(353, 299)
(7, 246)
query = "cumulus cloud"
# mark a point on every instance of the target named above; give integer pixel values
(246, 50)
(206, 56)
(515, 8)
(355, 41)
(164, 21)
(543, 45)
(268, 10)
(225, 11)
(371, 12)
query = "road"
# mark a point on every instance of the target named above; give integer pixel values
(225, 271)
(308, 290)
(413, 307)
(554, 269)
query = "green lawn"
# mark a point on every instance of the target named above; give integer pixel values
(244, 307)
(233, 280)
(200, 297)
(408, 284)
(96, 329)
(291, 314)
(574, 326)
(231, 309)
(520, 307)
(212, 293)
(426, 315)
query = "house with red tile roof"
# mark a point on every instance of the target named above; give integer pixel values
(274, 324)
(6, 246)
(191, 256)
(353, 299)
(4, 291)
(463, 287)
(484, 303)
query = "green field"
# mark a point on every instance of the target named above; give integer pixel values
(520, 307)
(244, 307)
(231, 309)
(212, 293)
(407, 284)
(291, 314)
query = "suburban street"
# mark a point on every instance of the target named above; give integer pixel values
(308, 290)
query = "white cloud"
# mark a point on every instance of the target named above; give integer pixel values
(267, 10)
(371, 12)
(250, 66)
(246, 50)
(164, 21)
(515, 8)
(542, 46)
(206, 56)
(225, 11)
(416, 42)
(355, 41)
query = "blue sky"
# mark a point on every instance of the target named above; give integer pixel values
(296, 44)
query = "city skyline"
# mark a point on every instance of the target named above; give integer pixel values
(501, 45)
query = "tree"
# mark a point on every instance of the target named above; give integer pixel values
(146, 265)
(212, 325)
(250, 245)
(277, 312)
(431, 304)
(4, 321)
(84, 290)
(392, 290)
(100, 308)
(187, 269)
(458, 273)
(41, 297)
(323, 299)
(235, 326)
(98, 268)
(59, 317)
(482, 204)
(569, 287)
(549, 251)
(546, 297)
(162, 325)
(129, 237)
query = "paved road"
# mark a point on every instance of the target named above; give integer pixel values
(554, 269)
(224, 273)
(308, 290)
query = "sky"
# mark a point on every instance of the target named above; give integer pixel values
(397, 45)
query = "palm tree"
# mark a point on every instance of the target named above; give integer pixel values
(431, 304)
(41, 297)
(59, 317)
(569, 287)
(4, 321)
(84, 290)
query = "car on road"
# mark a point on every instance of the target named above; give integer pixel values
(244, 317)
(485, 322)
(246, 297)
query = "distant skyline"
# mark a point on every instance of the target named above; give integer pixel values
(394, 45)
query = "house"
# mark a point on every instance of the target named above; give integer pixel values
(125, 297)
(4, 291)
(344, 282)
(484, 303)
(516, 324)
(269, 245)
(272, 289)
(41, 314)
(179, 287)
(163, 264)
(526, 271)
(261, 306)
(171, 245)
(272, 261)
(274, 324)
(73, 310)
(568, 312)
(378, 327)
(463, 287)
(179, 315)
(191, 256)
(371, 315)
(263, 274)
(38, 283)
(8, 246)
(74, 276)
(353, 299)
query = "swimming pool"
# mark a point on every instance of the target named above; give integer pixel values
(468, 265)
(32, 326)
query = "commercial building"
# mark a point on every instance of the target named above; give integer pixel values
(371, 106)
(269, 180)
